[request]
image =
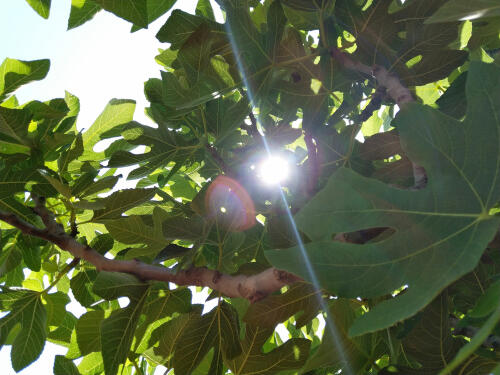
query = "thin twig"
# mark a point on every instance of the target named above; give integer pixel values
(138, 370)
(65, 271)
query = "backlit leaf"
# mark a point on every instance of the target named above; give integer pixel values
(289, 356)
(42, 7)
(155, 9)
(9, 259)
(64, 366)
(300, 297)
(81, 12)
(204, 332)
(88, 331)
(29, 311)
(441, 346)
(117, 331)
(135, 11)
(116, 113)
(15, 73)
(119, 202)
(133, 230)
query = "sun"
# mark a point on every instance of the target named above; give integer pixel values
(273, 170)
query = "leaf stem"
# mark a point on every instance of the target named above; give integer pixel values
(136, 366)
(65, 271)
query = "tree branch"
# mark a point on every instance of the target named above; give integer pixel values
(47, 217)
(374, 105)
(252, 129)
(395, 90)
(313, 163)
(218, 159)
(252, 288)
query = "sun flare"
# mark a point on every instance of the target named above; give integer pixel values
(273, 170)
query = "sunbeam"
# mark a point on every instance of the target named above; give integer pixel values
(307, 263)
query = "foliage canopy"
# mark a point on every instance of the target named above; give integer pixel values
(388, 113)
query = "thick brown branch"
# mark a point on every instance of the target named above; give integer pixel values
(395, 89)
(47, 217)
(349, 63)
(313, 164)
(252, 288)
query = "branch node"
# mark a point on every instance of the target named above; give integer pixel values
(217, 276)
(48, 219)
(257, 296)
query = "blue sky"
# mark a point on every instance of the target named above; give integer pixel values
(98, 61)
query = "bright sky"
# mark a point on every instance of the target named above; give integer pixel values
(98, 61)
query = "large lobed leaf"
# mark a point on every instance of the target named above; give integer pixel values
(116, 113)
(165, 146)
(440, 347)
(440, 231)
(186, 340)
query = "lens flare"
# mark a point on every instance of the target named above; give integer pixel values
(228, 204)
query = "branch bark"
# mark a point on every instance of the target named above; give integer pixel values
(374, 105)
(252, 288)
(395, 90)
(314, 167)
(252, 128)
